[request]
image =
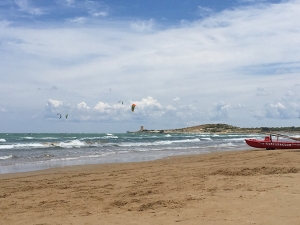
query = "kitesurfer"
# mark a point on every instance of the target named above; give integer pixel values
(132, 107)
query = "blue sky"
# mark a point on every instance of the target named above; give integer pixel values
(166, 12)
(183, 63)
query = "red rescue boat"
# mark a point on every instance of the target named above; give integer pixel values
(270, 144)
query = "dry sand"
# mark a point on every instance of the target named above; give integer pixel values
(241, 187)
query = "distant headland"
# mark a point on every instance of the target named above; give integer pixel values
(220, 129)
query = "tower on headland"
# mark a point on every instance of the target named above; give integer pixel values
(142, 128)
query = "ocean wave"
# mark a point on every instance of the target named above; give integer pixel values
(109, 136)
(83, 157)
(163, 142)
(6, 146)
(48, 138)
(82, 144)
(6, 157)
(206, 139)
(62, 144)
(90, 138)
(67, 149)
(223, 145)
(30, 145)
(21, 146)
(227, 145)
(72, 144)
(236, 139)
(203, 135)
(179, 141)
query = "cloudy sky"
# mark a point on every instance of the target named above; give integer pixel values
(182, 62)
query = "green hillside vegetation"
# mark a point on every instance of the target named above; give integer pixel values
(223, 128)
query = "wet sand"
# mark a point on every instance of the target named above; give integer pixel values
(240, 187)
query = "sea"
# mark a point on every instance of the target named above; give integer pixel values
(23, 152)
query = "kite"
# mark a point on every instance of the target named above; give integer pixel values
(59, 115)
(67, 116)
(121, 102)
(132, 107)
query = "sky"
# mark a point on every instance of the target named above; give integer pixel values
(182, 62)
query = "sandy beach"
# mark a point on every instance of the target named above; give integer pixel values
(240, 187)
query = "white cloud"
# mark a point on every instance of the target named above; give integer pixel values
(100, 13)
(261, 92)
(83, 106)
(245, 56)
(291, 96)
(26, 7)
(53, 109)
(93, 8)
(102, 107)
(143, 25)
(146, 107)
(220, 111)
(54, 104)
(279, 110)
(4, 23)
(204, 11)
(69, 2)
(79, 20)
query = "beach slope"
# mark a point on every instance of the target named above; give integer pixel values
(239, 187)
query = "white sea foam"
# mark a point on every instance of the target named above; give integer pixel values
(109, 136)
(228, 145)
(2, 140)
(164, 142)
(136, 144)
(207, 139)
(179, 141)
(296, 136)
(72, 144)
(48, 138)
(90, 138)
(6, 157)
(83, 157)
(29, 145)
(203, 135)
(6, 146)
(236, 139)
(223, 145)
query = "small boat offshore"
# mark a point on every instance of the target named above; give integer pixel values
(270, 144)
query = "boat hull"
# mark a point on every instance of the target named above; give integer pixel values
(272, 144)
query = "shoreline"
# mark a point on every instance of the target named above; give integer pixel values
(40, 166)
(248, 186)
(87, 165)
